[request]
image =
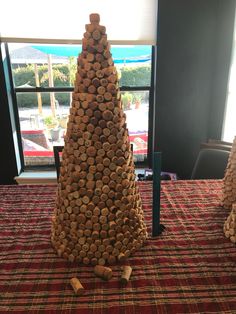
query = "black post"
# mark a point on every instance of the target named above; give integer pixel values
(157, 228)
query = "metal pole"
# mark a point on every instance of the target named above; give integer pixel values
(156, 166)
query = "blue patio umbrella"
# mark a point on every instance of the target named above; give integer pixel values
(128, 54)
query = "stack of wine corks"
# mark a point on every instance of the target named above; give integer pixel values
(229, 188)
(230, 225)
(98, 217)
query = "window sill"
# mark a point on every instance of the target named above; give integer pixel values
(37, 177)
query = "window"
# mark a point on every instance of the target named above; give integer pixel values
(40, 129)
(229, 131)
(43, 78)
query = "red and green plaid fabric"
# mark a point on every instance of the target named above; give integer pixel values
(190, 268)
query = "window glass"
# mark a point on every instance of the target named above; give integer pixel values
(55, 65)
(40, 130)
(40, 127)
(136, 106)
(229, 131)
(43, 114)
(43, 66)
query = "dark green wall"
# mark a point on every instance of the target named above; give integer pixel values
(193, 58)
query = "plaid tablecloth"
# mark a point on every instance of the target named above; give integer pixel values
(190, 268)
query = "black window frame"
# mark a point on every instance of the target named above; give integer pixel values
(147, 163)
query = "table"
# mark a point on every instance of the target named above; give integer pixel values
(190, 268)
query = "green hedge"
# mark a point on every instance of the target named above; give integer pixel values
(29, 100)
(130, 76)
(26, 75)
(135, 76)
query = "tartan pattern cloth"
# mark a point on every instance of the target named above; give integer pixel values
(190, 268)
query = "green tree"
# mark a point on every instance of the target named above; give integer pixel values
(127, 99)
(64, 75)
(58, 76)
(72, 67)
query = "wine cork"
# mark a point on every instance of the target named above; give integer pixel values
(121, 256)
(103, 272)
(77, 286)
(127, 270)
(111, 260)
(94, 18)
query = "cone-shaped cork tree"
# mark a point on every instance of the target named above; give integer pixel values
(98, 217)
(229, 188)
(230, 225)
